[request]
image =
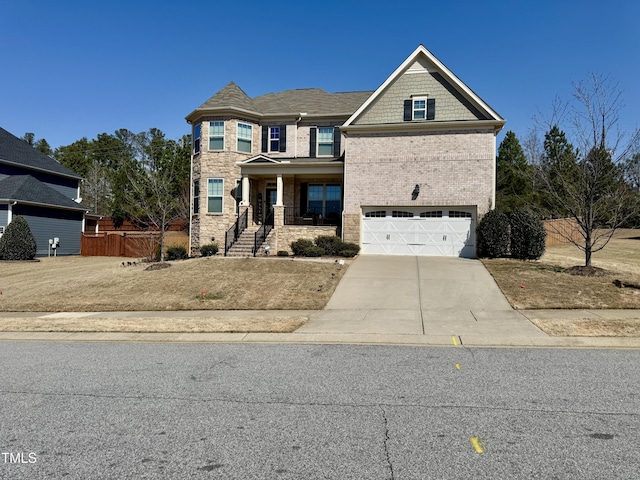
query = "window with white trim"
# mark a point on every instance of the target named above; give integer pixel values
(376, 214)
(459, 214)
(215, 189)
(196, 138)
(216, 136)
(274, 139)
(245, 136)
(401, 214)
(419, 108)
(431, 214)
(325, 141)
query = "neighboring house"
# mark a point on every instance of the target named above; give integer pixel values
(406, 170)
(42, 191)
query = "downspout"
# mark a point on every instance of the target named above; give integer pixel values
(10, 212)
(190, 193)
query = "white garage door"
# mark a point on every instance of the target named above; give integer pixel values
(442, 231)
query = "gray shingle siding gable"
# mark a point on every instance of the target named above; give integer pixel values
(450, 105)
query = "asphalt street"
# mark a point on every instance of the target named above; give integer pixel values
(129, 410)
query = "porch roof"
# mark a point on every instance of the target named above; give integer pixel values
(263, 164)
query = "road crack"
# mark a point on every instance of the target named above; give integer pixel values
(386, 441)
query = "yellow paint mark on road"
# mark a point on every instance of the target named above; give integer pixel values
(455, 342)
(458, 366)
(476, 445)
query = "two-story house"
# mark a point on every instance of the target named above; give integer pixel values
(42, 191)
(407, 169)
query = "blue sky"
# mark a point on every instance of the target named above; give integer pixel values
(73, 69)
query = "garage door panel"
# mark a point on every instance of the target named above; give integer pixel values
(420, 235)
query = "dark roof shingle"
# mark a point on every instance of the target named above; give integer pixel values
(15, 150)
(25, 188)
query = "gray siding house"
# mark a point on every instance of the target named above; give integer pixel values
(42, 191)
(407, 169)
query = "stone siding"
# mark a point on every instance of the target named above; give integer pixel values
(290, 233)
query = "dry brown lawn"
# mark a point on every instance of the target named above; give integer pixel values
(544, 284)
(93, 284)
(590, 327)
(212, 324)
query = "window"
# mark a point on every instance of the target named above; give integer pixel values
(196, 196)
(376, 214)
(216, 135)
(274, 139)
(215, 187)
(419, 108)
(196, 139)
(325, 141)
(431, 214)
(245, 135)
(324, 200)
(401, 214)
(459, 214)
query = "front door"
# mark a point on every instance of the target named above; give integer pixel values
(272, 195)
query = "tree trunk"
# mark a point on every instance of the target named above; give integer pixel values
(587, 250)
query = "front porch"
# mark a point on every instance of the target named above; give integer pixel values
(284, 200)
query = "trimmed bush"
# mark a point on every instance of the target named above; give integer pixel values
(209, 249)
(313, 251)
(283, 253)
(17, 243)
(331, 244)
(349, 250)
(177, 253)
(299, 246)
(527, 235)
(492, 235)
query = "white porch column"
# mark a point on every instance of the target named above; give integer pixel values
(245, 191)
(279, 191)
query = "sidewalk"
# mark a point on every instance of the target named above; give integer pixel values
(384, 327)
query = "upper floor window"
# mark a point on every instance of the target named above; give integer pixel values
(419, 108)
(325, 141)
(215, 188)
(274, 139)
(196, 139)
(245, 135)
(216, 135)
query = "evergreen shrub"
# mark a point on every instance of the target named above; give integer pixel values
(492, 235)
(18, 242)
(527, 235)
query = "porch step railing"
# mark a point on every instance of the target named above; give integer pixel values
(236, 230)
(263, 232)
(314, 216)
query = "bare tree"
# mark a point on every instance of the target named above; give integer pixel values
(153, 200)
(586, 182)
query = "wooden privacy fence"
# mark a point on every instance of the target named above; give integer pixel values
(560, 230)
(119, 244)
(128, 244)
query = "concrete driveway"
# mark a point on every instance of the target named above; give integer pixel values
(419, 295)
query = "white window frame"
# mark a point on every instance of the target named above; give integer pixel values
(271, 139)
(244, 138)
(421, 108)
(318, 142)
(217, 123)
(221, 195)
